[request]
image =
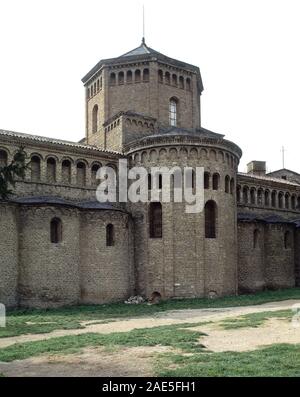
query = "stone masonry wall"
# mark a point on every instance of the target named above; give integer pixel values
(8, 254)
(106, 272)
(49, 273)
(184, 263)
(279, 261)
(251, 263)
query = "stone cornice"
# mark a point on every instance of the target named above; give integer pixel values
(42, 143)
(273, 183)
(161, 140)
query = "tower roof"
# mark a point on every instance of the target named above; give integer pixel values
(143, 53)
(141, 50)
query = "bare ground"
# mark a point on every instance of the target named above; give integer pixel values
(244, 339)
(135, 361)
(138, 361)
(162, 318)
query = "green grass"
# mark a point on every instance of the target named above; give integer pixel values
(255, 320)
(176, 336)
(47, 320)
(276, 360)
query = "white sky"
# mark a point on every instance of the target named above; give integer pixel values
(247, 51)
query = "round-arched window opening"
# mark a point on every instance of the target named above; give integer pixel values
(55, 231)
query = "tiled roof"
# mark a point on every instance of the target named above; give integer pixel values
(140, 53)
(268, 178)
(283, 169)
(37, 138)
(266, 218)
(176, 131)
(52, 200)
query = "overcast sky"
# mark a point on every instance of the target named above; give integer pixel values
(247, 51)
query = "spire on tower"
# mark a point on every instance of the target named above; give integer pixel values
(143, 38)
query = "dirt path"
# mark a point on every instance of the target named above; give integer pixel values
(135, 361)
(163, 318)
(245, 339)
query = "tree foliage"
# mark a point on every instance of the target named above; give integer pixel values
(9, 174)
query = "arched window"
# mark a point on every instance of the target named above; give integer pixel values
(160, 181)
(160, 76)
(92, 90)
(80, 177)
(155, 220)
(181, 82)
(149, 181)
(298, 204)
(167, 78)
(35, 166)
(238, 193)
(287, 240)
(246, 194)
(110, 237)
(87, 93)
(188, 84)
(66, 171)
(3, 158)
(227, 184)
(146, 75)
(112, 79)
(100, 83)
(55, 231)
(173, 112)
(51, 170)
(206, 180)
(121, 78)
(95, 119)
(293, 202)
(260, 197)
(287, 201)
(273, 198)
(256, 238)
(129, 77)
(231, 185)
(267, 198)
(174, 80)
(215, 181)
(280, 200)
(95, 169)
(137, 76)
(210, 212)
(252, 195)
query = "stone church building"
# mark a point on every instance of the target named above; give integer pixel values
(60, 246)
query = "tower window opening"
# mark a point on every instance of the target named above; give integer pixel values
(256, 238)
(110, 238)
(155, 221)
(181, 82)
(121, 78)
(210, 212)
(95, 119)
(137, 76)
(188, 84)
(173, 112)
(129, 77)
(146, 75)
(112, 79)
(167, 78)
(287, 240)
(55, 231)
(160, 76)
